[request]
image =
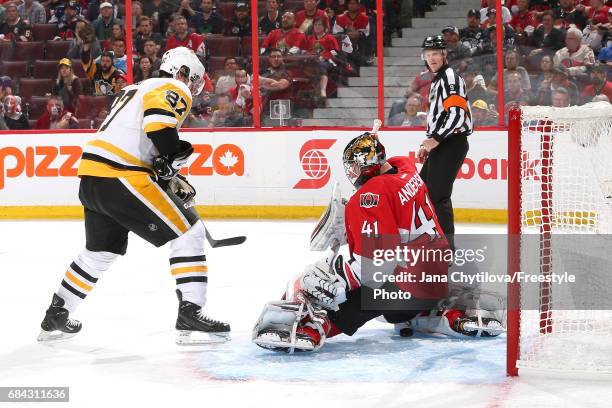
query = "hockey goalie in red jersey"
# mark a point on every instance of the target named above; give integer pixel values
(390, 209)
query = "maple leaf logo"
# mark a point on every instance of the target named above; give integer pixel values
(228, 159)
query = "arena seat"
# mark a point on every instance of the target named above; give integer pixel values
(224, 46)
(29, 87)
(44, 32)
(28, 51)
(6, 50)
(45, 69)
(88, 107)
(57, 49)
(38, 106)
(14, 69)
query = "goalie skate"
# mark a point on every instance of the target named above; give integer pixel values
(57, 325)
(193, 327)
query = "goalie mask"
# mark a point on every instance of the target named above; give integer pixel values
(183, 61)
(362, 158)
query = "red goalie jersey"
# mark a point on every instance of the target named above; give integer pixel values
(396, 208)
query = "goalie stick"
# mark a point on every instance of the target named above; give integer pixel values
(217, 243)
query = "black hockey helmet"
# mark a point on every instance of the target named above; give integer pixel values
(434, 42)
(362, 158)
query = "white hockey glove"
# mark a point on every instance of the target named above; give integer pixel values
(330, 229)
(322, 285)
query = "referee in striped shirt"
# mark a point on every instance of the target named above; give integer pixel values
(449, 123)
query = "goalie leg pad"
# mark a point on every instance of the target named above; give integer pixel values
(290, 326)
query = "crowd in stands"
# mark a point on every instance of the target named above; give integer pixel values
(556, 53)
(63, 61)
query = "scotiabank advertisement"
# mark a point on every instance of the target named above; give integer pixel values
(246, 168)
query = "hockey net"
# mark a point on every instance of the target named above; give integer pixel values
(560, 214)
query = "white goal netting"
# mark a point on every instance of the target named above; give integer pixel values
(566, 222)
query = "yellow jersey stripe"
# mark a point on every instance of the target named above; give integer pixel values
(98, 169)
(159, 201)
(77, 282)
(117, 151)
(188, 269)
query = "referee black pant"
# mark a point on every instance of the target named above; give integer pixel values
(439, 173)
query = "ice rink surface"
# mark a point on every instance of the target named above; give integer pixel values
(126, 355)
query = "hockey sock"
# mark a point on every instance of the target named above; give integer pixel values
(188, 264)
(82, 275)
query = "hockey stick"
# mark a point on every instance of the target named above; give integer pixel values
(375, 126)
(217, 243)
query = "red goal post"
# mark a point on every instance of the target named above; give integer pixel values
(559, 182)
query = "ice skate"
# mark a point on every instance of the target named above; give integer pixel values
(193, 327)
(57, 324)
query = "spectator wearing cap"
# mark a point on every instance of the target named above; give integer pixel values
(67, 85)
(546, 38)
(483, 115)
(599, 84)
(472, 36)
(240, 26)
(489, 45)
(487, 16)
(566, 15)
(14, 27)
(103, 74)
(272, 20)
(66, 26)
(304, 18)
(32, 11)
(6, 87)
(288, 39)
(457, 52)
(103, 25)
(120, 83)
(183, 38)
(144, 32)
(55, 117)
(76, 44)
(560, 79)
(356, 25)
(412, 114)
(207, 20)
(576, 57)
(13, 115)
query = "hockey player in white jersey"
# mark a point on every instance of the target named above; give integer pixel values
(130, 181)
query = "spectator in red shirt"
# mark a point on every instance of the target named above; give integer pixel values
(326, 47)
(288, 39)
(55, 117)
(599, 84)
(183, 38)
(524, 21)
(304, 19)
(356, 25)
(597, 13)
